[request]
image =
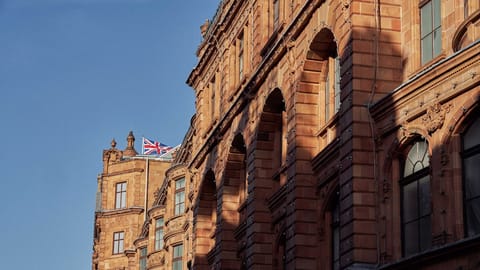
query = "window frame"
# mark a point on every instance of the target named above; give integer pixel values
(213, 98)
(335, 229)
(241, 56)
(159, 241)
(332, 87)
(121, 195)
(433, 53)
(276, 14)
(177, 259)
(415, 177)
(142, 261)
(472, 151)
(118, 246)
(179, 206)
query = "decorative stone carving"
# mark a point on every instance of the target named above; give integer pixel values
(435, 117)
(156, 259)
(113, 154)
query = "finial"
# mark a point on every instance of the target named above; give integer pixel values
(130, 149)
(130, 139)
(113, 143)
(204, 27)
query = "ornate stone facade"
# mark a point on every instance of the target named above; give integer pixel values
(305, 113)
(326, 138)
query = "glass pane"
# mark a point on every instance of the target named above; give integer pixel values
(159, 223)
(182, 196)
(472, 176)
(336, 244)
(473, 217)
(327, 97)
(425, 233)
(177, 265)
(180, 183)
(337, 84)
(178, 251)
(117, 200)
(408, 167)
(424, 196)
(410, 234)
(426, 19)
(436, 13)
(472, 136)
(123, 199)
(120, 246)
(437, 42)
(410, 202)
(143, 264)
(427, 49)
(417, 157)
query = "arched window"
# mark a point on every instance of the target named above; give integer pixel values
(416, 200)
(471, 178)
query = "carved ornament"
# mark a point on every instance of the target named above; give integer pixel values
(435, 116)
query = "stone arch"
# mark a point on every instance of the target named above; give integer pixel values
(320, 87)
(233, 213)
(457, 123)
(271, 138)
(206, 222)
(269, 155)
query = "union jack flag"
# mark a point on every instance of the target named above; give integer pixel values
(151, 147)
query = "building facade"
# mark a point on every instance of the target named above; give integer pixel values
(127, 189)
(327, 135)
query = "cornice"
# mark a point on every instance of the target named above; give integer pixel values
(140, 170)
(117, 212)
(155, 208)
(429, 81)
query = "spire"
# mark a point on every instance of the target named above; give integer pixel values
(130, 149)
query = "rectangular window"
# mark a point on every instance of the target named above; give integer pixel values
(213, 89)
(332, 87)
(180, 196)
(118, 242)
(431, 30)
(276, 13)
(121, 195)
(143, 259)
(177, 263)
(240, 56)
(471, 172)
(159, 234)
(337, 84)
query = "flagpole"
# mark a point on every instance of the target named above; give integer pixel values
(146, 187)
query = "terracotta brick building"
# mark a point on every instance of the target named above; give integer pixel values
(327, 135)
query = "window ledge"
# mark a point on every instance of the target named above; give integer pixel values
(437, 254)
(131, 210)
(428, 64)
(329, 124)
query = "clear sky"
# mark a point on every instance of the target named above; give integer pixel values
(73, 75)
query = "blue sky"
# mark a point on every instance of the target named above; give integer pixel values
(73, 75)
